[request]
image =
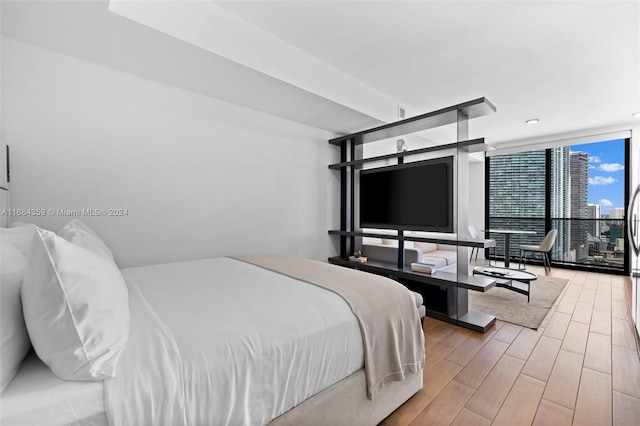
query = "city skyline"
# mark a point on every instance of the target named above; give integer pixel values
(567, 185)
(606, 173)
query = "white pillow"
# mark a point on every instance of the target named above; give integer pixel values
(76, 308)
(19, 235)
(426, 247)
(14, 340)
(389, 242)
(79, 233)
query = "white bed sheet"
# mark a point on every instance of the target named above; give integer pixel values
(36, 396)
(234, 343)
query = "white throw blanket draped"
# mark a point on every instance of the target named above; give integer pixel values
(386, 312)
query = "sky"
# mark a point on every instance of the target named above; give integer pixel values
(606, 173)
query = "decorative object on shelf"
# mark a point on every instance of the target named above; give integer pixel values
(401, 145)
(425, 268)
(358, 257)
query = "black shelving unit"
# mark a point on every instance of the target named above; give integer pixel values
(475, 145)
(445, 293)
(472, 109)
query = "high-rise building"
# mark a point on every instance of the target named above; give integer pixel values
(517, 191)
(616, 228)
(616, 213)
(559, 202)
(578, 186)
(615, 233)
(594, 213)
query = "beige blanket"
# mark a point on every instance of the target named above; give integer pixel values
(386, 312)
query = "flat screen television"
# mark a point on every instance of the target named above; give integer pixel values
(414, 196)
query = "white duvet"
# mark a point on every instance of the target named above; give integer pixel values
(220, 341)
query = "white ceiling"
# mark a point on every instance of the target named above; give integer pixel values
(573, 65)
(86, 29)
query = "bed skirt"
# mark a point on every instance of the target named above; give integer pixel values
(346, 402)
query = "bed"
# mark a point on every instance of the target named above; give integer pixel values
(258, 339)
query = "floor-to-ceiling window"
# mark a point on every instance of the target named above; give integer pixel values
(578, 190)
(517, 197)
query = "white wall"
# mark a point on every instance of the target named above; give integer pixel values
(199, 177)
(477, 197)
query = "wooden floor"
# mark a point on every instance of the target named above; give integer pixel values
(581, 367)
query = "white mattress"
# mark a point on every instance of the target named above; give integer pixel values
(236, 344)
(37, 397)
(245, 344)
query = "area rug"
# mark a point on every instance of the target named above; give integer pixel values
(512, 307)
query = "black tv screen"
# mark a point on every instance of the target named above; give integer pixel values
(413, 196)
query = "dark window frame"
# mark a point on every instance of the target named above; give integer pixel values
(548, 219)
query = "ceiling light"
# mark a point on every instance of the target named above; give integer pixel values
(636, 114)
(532, 121)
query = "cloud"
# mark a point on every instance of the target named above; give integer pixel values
(592, 167)
(594, 159)
(601, 180)
(610, 167)
(606, 203)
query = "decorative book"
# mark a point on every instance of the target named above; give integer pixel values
(425, 268)
(360, 259)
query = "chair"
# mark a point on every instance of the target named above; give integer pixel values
(473, 233)
(544, 248)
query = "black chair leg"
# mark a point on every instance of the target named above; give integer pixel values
(523, 259)
(547, 263)
(520, 261)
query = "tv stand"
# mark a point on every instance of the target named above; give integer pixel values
(445, 294)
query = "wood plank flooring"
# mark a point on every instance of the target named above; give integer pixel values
(581, 367)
